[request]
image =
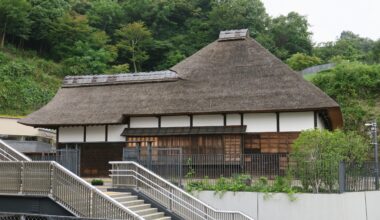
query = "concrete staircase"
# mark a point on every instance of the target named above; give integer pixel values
(139, 206)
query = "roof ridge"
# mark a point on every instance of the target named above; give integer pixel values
(121, 78)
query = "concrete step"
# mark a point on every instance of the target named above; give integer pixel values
(126, 198)
(139, 207)
(154, 216)
(164, 218)
(132, 203)
(146, 211)
(114, 193)
(120, 195)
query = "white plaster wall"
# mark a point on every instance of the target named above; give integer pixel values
(233, 119)
(95, 133)
(144, 122)
(175, 121)
(208, 120)
(296, 121)
(373, 202)
(320, 123)
(71, 134)
(307, 206)
(114, 133)
(260, 122)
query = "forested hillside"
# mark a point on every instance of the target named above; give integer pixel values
(43, 41)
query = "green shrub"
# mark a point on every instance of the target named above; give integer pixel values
(97, 182)
(316, 155)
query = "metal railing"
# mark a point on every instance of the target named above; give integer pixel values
(29, 216)
(128, 174)
(53, 180)
(182, 169)
(7, 153)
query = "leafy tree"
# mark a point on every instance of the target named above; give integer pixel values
(14, 19)
(317, 153)
(88, 60)
(349, 47)
(300, 61)
(133, 39)
(122, 68)
(376, 52)
(105, 15)
(290, 35)
(44, 14)
(238, 14)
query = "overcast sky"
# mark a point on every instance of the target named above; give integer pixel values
(328, 18)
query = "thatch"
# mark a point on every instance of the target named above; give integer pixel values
(223, 77)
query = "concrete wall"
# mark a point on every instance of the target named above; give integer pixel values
(278, 206)
(10, 126)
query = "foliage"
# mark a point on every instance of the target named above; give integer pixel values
(300, 61)
(242, 182)
(317, 153)
(349, 47)
(356, 87)
(97, 182)
(25, 84)
(290, 35)
(132, 39)
(14, 19)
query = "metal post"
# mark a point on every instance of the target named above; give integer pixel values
(374, 133)
(373, 127)
(342, 177)
(149, 155)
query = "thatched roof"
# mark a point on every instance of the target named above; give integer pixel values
(234, 75)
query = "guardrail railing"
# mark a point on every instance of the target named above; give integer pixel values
(7, 153)
(128, 174)
(49, 178)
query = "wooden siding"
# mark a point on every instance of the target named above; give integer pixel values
(197, 144)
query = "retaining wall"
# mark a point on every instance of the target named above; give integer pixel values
(279, 206)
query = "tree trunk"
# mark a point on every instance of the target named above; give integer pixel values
(134, 61)
(3, 35)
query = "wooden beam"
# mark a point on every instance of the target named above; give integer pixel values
(278, 121)
(84, 133)
(57, 136)
(225, 119)
(315, 119)
(106, 133)
(191, 121)
(159, 121)
(241, 119)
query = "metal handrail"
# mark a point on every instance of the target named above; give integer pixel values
(48, 178)
(12, 154)
(132, 174)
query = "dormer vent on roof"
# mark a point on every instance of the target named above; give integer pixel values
(233, 35)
